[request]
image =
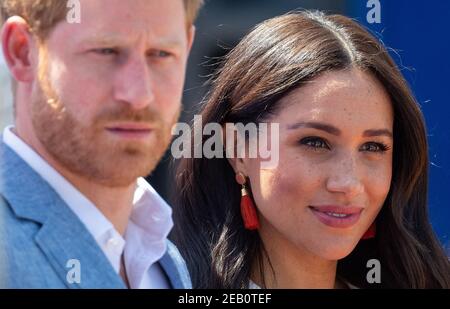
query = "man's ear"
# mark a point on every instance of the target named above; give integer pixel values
(18, 44)
(191, 37)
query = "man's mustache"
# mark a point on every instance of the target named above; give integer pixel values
(124, 114)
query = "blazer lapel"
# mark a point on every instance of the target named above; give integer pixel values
(62, 237)
(175, 268)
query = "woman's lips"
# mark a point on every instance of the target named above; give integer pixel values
(337, 216)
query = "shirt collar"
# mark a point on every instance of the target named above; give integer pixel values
(149, 226)
(150, 221)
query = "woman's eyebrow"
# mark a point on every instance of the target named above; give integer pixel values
(378, 132)
(335, 131)
(316, 125)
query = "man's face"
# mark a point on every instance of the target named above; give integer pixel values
(109, 88)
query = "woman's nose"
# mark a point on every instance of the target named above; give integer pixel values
(345, 178)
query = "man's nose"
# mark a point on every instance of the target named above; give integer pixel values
(345, 178)
(134, 84)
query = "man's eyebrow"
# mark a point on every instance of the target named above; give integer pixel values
(112, 40)
(102, 40)
(335, 131)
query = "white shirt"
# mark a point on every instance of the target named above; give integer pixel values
(146, 234)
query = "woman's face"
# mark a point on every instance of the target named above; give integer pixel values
(335, 165)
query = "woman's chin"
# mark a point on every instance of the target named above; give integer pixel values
(334, 250)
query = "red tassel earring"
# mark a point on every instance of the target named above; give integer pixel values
(371, 232)
(248, 209)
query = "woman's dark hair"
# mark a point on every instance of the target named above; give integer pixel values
(280, 55)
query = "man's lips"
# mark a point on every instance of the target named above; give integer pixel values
(130, 130)
(337, 216)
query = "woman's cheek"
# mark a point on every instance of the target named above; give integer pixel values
(284, 187)
(379, 183)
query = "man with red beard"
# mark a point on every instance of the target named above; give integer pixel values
(95, 99)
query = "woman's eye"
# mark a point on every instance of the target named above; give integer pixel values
(374, 147)
(316, 143)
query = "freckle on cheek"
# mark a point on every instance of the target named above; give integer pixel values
(282, 187)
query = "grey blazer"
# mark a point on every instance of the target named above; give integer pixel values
(39, 235)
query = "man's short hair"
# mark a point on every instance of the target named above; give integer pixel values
(43, 15)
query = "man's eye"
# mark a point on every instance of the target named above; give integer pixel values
(315, 143)
(160, 54)
(106, 51)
